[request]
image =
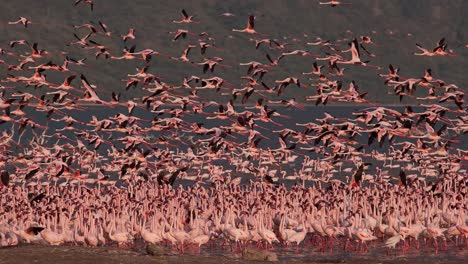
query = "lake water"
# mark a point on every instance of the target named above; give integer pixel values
(294, 117)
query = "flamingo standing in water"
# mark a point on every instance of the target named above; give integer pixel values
(267, 235)
(149, 236)
(364, 235)
(121, 237)
(30, 234)
(90, 235)
(52, 237)
(298, 236)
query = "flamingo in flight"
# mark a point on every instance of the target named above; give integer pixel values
(141, 161)
(355, 56)
(91, 95)
(129, 35)
(105, 29)
(21, 20)
(439, 50)
(185, 18)
(334, 3)
(89, 2)
(250, 26)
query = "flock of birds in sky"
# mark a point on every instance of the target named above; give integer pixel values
(396, 175)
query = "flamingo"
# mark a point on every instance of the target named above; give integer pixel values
(89, 2)
(250, 26)
(90, 235)
(121, 237)
(129, 35)
(30, 234)
(185, 18)
(334, 3)
(148, 236)
(364, 235)
(52, 237)
(299, 236)
(21, 20)
(266, 234)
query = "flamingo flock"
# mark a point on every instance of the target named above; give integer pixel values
(135, 165)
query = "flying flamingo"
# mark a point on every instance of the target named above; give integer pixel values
(91, 95)
(250, 26)
(355, 56)
(334, 3)
(129, 35)
(185, 18)
(21, 20)
(89, 2)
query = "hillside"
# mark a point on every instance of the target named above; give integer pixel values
(297, 22)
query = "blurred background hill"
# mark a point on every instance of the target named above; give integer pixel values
(395, 26)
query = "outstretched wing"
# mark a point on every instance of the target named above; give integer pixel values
(251, 22)
(5, 178)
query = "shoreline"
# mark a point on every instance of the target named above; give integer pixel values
(67, 254)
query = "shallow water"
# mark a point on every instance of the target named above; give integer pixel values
(84, 255)
(294, 117)
(216, 251)
(311, 250)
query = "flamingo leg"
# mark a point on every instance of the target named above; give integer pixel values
(182, 248)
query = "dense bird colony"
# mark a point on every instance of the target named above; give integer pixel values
(245, 176)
